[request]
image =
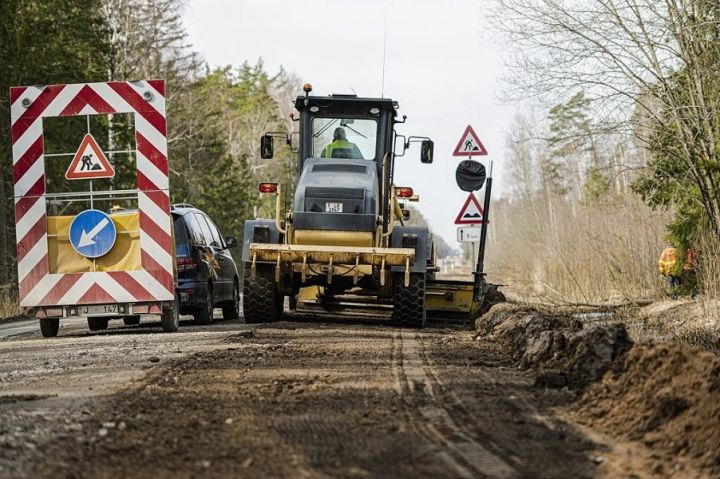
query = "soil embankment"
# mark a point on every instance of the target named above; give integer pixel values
(665, 397)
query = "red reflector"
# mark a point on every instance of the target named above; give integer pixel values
(404, 192)
(268, 187)
(140, 308)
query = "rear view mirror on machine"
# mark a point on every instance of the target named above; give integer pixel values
(426, 151)
(266, 147)
(231, 242)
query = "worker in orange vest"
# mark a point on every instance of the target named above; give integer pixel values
(668, 266)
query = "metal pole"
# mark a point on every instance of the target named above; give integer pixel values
(474, 252)
(483, 232)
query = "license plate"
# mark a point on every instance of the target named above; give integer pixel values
(98, 309)
(333, 207)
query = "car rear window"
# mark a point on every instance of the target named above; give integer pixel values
(182, 242)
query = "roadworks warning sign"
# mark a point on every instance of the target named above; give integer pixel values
(89, 162)
(469, 144)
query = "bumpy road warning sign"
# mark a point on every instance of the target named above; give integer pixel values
(471, 213)
(469, 144)
(89, 162)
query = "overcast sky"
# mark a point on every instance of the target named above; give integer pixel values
(442, 66)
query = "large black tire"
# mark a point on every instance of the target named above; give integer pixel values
(204, 313)
(49, 327)
(261, 301)
(409, 302)
(97, 324)
(170, 317)
(231, 309)
(133, 320)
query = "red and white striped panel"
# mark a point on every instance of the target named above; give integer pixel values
(146, 100)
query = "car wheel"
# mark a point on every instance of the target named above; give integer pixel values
(97, 324)
(231, 310)
(204, 313)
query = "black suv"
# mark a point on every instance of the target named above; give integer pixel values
(207, 275)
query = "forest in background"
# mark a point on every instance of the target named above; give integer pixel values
(619, 150)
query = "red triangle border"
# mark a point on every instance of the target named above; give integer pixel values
(460, 221)
(481, 152)
(109, 171)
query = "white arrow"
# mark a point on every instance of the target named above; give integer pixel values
(86, 239)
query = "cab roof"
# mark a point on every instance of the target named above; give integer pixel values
(345, 104)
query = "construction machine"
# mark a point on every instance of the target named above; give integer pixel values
(341, 245)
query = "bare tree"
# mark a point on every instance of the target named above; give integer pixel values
(656, 57)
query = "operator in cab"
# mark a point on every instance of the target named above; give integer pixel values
(340, 147)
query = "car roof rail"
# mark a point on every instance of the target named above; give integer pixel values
(181, 205)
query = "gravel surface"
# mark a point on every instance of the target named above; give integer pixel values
(298, 398)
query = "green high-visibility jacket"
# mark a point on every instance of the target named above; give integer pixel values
(348, 150)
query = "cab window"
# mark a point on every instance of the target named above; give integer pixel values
(344, 138)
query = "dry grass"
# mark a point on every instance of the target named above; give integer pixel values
(566, 252)
(684, 321)
(9, 307)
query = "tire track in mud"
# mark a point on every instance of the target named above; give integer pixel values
(418, 384)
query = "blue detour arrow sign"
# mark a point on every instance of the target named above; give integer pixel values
(92, 233)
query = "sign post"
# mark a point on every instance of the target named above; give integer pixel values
(470, 176)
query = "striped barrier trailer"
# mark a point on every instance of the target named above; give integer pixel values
(137, 276)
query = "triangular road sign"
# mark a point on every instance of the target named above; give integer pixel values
(89, 162)
(469, 144)
(471, 213)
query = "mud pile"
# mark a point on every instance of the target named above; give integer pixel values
(666, 396)
(562, 351)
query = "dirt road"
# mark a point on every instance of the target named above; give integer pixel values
(293, 399)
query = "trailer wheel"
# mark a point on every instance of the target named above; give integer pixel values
(170, 317)
(204, 314)
(409, 302)
(133, 320)
(97, 324)
(261, 301)
(49, 327)
(231, 309)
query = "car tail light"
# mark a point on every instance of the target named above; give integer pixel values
(185, 263)
(268, 187)
(404, 192)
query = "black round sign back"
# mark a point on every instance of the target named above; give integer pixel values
(470, 175)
